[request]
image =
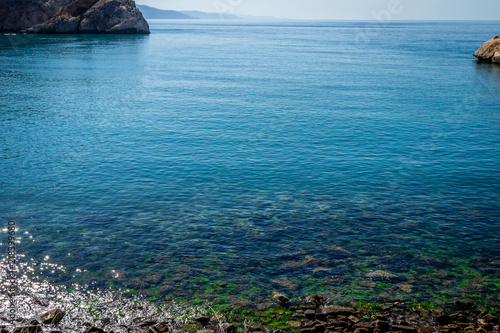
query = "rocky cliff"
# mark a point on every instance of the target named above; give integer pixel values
(72, 16)
(489, 51)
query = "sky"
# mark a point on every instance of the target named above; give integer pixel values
(343, 9)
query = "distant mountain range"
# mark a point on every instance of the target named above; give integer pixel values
(210, 16)
(151, 13)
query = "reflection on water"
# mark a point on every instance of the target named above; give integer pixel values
(486, 74)
(17, 41)
(103, 308)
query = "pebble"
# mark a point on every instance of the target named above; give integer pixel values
(404, 329)
(310, 314)
(381, 274)
(52, 317)
(204, 320)
(28, 329)
(443, 319)
(315, 300)
(227, 328)
(337, 310)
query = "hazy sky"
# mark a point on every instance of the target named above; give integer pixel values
(343, 9)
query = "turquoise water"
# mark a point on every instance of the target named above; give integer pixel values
(219, 160)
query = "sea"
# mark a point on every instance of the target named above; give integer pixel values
(228, 161)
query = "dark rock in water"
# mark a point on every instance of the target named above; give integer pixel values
(466, 304)
(72, 16)
(28, 329)
(315, 300)
(310, 314)
(489, 51)
(425, 330)
(104, 321)
(459, 318)
(52, 317)
(227, 328)
(308, 330)
(319, 328)
(490, 319)
(381, 325)
(487, 321)
(443, 319)
(204, 320)
(154, 278)
(147, 323)
(404, 329)
(161, 327)
(380, 317)
(320, 315)
(137, 284)
(307, 323)
(367, 326)
(361, 330)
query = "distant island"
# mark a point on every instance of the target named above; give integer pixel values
(151, 13)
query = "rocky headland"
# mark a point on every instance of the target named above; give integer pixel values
(72, 16)
(489, 51)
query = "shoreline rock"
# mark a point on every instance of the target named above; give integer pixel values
(311, 315)
(72, 17)
(489, 51)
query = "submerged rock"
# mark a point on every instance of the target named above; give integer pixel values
(489, 51)
(381, 274)
(315, 300)
(464, 304)
(286, 283)
(72, 16)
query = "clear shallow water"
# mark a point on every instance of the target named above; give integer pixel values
(232, 159)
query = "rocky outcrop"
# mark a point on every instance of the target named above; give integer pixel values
(72, 16)
(489, 51)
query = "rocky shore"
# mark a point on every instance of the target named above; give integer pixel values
(71, 17)
(489, 51)
(312, 315)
